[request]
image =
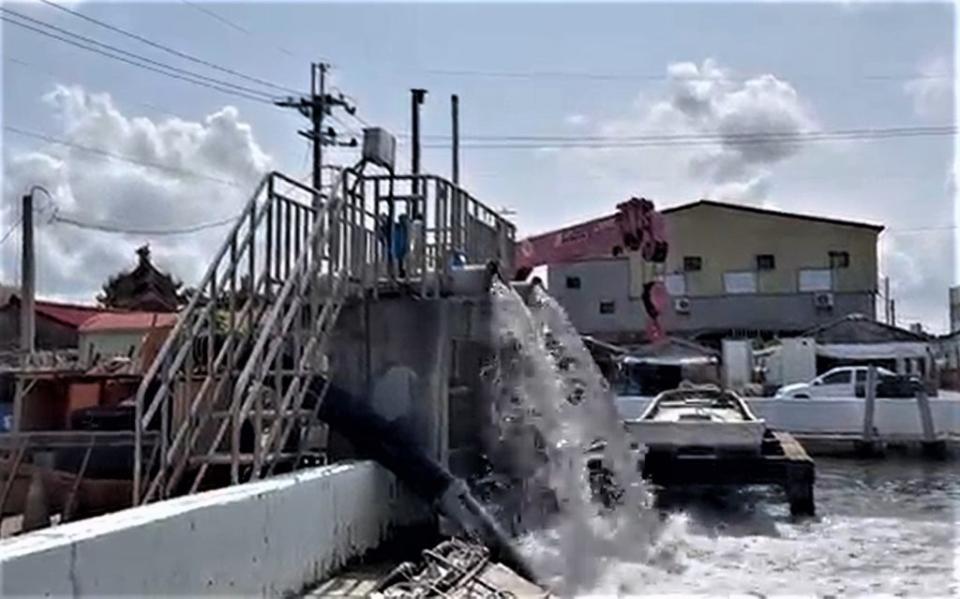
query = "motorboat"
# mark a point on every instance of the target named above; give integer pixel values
(703, 419)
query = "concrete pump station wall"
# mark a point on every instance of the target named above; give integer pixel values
(265, 538)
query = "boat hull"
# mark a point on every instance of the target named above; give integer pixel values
(721, 436)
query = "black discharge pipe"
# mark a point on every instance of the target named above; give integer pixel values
(375, 438)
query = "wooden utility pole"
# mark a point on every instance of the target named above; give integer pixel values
(27, 279)
(28, 286)
(455, 118)
(886, 300)
(316, 108)
(318, 79)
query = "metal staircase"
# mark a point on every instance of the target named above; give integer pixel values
(226, 397)
(274, 271)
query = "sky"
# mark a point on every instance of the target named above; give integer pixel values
(594, 71)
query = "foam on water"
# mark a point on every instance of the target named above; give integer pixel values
(884, 527)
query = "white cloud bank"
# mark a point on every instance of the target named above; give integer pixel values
(705, 100)
(73, 263)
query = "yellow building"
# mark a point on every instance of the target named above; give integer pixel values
(732, 270)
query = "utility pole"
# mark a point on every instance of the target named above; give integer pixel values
(886, 300)
(28, 286)
(455, 117)
(317, 118)
(27, 279)
(316, 108)
(893, 313)
(416, 100)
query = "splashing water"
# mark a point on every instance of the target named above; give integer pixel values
(548, 381)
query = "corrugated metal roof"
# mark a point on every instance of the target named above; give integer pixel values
(129, 321)
(72, 315)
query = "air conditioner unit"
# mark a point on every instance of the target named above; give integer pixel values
(681, 305)
(823, 301)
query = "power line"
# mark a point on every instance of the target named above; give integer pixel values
(10, 231)
(138, 60)
(111, 155)
(772, 135)
(711, 139)
(168, 49)
(233, 25)
(114, 228)
(582, 75)
(33, 67)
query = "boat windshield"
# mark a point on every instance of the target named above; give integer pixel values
(706, 398)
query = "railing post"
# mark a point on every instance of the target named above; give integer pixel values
(137, 447)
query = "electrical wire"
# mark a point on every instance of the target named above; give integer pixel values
(10, 230)
(710, 139)
(105, 153)
(136, 59)
(709, 136)
(114, 228)
(575, 75)
(168, 49)
(229, 23)
(36, 68)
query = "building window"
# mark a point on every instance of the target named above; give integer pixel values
(839, 259)
(573, 282)
(692, 263)
(740, 282)
(676, 284)
(815, 279)
(766, 262)
(608, 307)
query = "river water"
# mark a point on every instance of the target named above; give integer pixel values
(886, 527)
(883, 528)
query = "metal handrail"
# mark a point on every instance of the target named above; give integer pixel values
(341, 239)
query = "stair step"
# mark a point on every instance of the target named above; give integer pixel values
(244, 458)
(459, 390)
(267, 413)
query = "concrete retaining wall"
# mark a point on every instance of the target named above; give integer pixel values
(835, 414)
(263, 538)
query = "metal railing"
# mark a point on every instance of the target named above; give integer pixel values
(440, 222)
(255, 332)
(194, 373)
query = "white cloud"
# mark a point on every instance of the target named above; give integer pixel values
(919, 265)
(74, 263)
(932, 91)
(708, 98)
(575, 120)
(702, 100)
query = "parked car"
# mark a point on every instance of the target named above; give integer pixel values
(850, 381)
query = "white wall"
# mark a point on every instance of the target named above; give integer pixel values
(265, 538)
(845, 415)
(835, 415)
(109, 343)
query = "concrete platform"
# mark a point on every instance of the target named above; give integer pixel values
(268, 538)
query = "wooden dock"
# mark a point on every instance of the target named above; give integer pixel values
(783, 462)
(879, 445)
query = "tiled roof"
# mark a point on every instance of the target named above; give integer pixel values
(129, 321)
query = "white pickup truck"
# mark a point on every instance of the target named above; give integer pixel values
(845, 381)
